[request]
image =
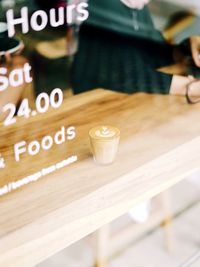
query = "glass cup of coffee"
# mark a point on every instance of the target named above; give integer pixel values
(104, 142)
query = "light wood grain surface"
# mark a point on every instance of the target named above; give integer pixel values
(160, 146)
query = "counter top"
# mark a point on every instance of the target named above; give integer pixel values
(160, 146)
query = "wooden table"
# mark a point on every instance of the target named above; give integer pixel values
(160, 146)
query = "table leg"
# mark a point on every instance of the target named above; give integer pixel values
(167, 222)
(102, 246)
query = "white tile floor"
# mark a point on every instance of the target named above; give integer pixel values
(150, 250)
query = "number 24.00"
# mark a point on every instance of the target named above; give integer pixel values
(43, 101)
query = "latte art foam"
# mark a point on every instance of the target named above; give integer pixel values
(105, 132)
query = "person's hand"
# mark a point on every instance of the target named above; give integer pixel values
(195, 49)
(137, 4)
(179, 84)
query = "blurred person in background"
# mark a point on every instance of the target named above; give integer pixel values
(120, 49)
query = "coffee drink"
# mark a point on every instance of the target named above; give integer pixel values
(104, 143)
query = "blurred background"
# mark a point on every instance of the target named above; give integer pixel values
(164, 232)
(53, 48)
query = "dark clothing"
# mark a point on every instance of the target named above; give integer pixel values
(115, 16)
(120, 50)
(120, 63)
